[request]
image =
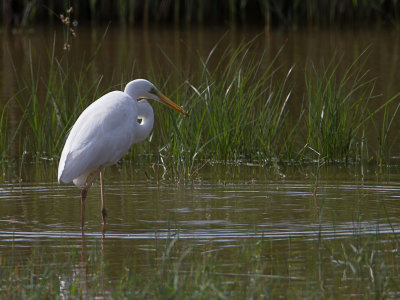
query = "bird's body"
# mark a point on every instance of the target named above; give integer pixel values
(105, 131)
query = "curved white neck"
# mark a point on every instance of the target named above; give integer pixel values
(146, 114)
(132, 91)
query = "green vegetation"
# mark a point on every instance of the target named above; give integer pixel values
(243, 108)
(336, 109)
(364, 265)
(238, 112)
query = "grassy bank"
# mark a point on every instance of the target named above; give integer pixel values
(243, 107)
(362, 265)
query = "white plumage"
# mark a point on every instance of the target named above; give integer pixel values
(106, 130)
(103, 133)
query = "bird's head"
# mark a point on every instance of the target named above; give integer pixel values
(144, 89)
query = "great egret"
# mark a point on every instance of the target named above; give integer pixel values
(105, 131)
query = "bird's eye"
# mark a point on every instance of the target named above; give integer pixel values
(140, 120)
(153, 91)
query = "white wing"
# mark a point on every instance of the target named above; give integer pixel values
(103, 133)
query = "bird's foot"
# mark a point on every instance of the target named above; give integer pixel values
(104, 215)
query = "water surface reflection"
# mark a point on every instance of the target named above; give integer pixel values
(140, 210)
(222, 211)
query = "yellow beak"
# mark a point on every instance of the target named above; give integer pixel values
(164, 99)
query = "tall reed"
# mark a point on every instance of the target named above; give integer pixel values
(238, 111)
(386, 136)
(48, 106)
(239, 105)
(338, 112)
(336, 104)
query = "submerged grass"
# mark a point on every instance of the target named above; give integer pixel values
(359, 265)
(241, 109)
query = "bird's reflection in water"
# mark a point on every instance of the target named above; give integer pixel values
(90, 266)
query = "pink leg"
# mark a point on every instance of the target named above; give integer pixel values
(103, 209)
(84, 193)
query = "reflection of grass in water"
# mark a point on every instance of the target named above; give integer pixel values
(364, 265)
(239, 111)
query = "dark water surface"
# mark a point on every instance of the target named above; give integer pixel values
(134, 53)
(223, 209)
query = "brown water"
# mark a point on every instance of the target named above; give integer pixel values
(127, 54)
(222, 210)
(225, 206)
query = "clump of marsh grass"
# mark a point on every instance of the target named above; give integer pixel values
(338, 110)
(387, 141)
(238, 111)
(4, 138)
(46, 113)
(50, 103)
(336, 106)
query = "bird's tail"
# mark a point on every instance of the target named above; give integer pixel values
(81, 180)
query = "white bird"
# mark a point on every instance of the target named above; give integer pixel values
(104, 132)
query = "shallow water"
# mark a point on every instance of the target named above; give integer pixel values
(225, 207)
(220, 211)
